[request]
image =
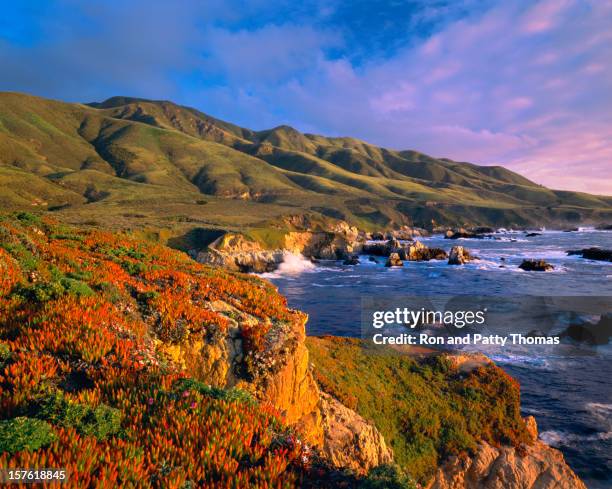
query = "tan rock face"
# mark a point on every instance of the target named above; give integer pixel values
(293, 390)
(539, 467)
(351, 441)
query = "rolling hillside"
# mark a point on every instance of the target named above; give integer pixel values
(129, 162)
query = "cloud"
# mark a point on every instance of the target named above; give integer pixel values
(521, 83)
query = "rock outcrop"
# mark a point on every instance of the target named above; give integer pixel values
(536, 266)
(351, 441)
(407, 251)
(593, 254)
(459, 255)
(234, 251)
(535, 466)
(394, 261)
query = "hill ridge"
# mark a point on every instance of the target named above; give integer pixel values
(185, 157)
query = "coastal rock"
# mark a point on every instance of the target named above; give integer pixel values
(537, 466)
(394, 261)
(458, 256)
(535, 266)
(604, 227)
(589, 333)
(353, 260)
(531, 235)
(351, 441)
(593, 253)
(464, 233)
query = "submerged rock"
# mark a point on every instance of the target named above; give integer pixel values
(531, 235)
(536, 266)
(593, 253)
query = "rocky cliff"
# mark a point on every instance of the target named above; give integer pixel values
(535, 466)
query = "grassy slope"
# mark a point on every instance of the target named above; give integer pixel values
(425, 409)
(131, 157)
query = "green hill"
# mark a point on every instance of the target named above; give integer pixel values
(131, 162)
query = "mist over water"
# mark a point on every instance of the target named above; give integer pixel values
(570, 396)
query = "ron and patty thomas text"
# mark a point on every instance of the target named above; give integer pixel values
(458, 319)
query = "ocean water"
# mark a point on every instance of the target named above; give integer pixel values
(569, 395)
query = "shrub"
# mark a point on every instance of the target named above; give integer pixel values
(22, 433)
(387, 477)
(100, 421)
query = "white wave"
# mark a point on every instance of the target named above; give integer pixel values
(563, 438)
(291, 265)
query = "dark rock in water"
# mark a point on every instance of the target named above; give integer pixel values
(472, 233)
(371, 258)
(589, 333)
(382, 249)
(353, 260)
(535, 266)
(394, 261)
(436, 254)
(531, 235)
(593, 254)
(570, 230)
(604, 227)
(458, 256)
(483, 230)
(462, 233)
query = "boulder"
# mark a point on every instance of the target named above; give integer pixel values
(593, 253)
(536, 266)
(394, 261)
(458, 256)
(352, 260)
(531, 235)
(604, 227)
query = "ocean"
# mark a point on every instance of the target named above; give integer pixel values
(569, 395)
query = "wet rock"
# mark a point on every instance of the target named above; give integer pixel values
(352, 260)
(394, 261)
(593, 254)
(458, 256)
(604, 227)
(536, 266)
(372, 259)
(570, 230)
(531, 235)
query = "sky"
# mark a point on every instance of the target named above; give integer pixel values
(524, 84)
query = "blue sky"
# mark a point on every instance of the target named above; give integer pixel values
(526, 84)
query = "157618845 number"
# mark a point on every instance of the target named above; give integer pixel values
(32, 476)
